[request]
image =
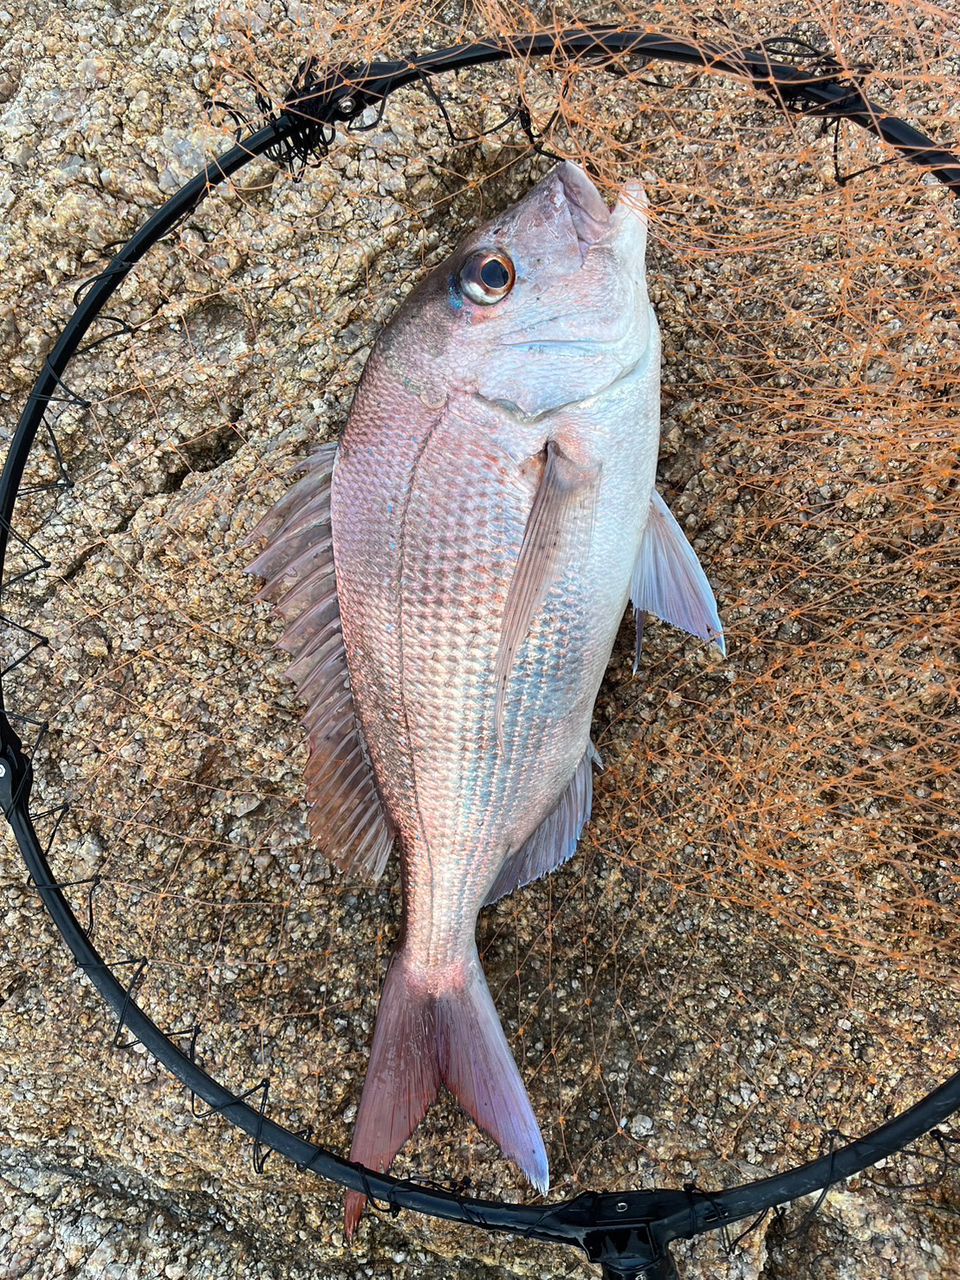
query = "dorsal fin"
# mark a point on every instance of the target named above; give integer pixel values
(347, 817)
(555, 840)
(668, 581)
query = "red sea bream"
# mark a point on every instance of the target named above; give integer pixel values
(452, 576)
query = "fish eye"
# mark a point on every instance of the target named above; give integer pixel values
(486, 277)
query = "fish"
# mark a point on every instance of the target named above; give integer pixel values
(452, 575)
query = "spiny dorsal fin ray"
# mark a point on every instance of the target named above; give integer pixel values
(317, 469)
(347, 818)
(555, 840)
(669, 582)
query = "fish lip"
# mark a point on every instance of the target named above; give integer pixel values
(586, 206)
(594, 223)
(590, 344)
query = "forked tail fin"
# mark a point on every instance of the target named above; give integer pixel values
(426, 1037)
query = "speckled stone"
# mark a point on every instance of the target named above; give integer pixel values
(667, 1034)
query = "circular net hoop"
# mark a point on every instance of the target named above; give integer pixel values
(832, 811)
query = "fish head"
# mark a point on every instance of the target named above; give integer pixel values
(543, 306)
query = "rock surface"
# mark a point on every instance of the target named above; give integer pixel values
(690, 1001)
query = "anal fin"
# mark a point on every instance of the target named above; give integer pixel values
(555, 840)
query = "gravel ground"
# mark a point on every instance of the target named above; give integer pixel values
(687, 1004)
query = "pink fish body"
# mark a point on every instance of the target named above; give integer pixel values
(453, 577)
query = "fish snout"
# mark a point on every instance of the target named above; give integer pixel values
(628, 228)
(587, 207)
(624, 228)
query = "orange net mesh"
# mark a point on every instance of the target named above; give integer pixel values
(757, 943)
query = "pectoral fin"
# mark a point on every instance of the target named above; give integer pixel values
(562, 507)
(669, 582)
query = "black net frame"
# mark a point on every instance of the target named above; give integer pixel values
(628, 1233)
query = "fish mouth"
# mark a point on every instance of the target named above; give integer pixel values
(594, 223)
(586, 206)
